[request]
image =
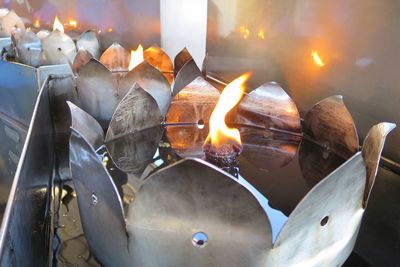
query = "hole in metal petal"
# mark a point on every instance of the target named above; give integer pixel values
(59, 49)
(95, 200)
(324, 221)
(200, 124)
(199, 239)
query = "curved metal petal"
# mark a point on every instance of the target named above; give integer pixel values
(29, 48)
(10, 21)
(137, 111)
(97, 91)
(193, 214)
(181, 59)
(133, 152)
(159, 59)
(372, 150)
(270, 107)
(86, 125)
(193, 103)
(116, 58)
(100, 205)
(204, 66)
(322, 229)
(42, 34)
(81, 59)
(88, 40)
(186, 75)
(187, 140)
(150, 79)
(58, 48)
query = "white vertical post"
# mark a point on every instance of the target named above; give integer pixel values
(184, 24)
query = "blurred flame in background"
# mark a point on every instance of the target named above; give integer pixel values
(317, 58)
(57, 25)
(136, 57)
(73, 23)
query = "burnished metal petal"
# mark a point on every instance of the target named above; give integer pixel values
(270, 107)
(10, 21)
(116, 58)
(187, 140)
(97, 91)
(81, 59)
(137, 111)
(58, 48)
(193, 214)
(193, 103)
(152, 81)
(28, 48)
(159, 59)
(86, 125)
(186, 75)
(181, 59)
(89, 41)
(322, 229)
(42, 34)
(371, 151)
(100, 205)
(132, 153)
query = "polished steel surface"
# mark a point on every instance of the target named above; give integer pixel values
(186, 74)
(57, 48)
(81, 59)
(90, 42)
(181, 59)
(159, 59)
(115, 58)
(28, 48)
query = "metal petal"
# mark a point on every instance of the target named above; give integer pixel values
(86, 125)
(186, 75)
(323, 228)
(137, 111)
(159, 59)
(28, 48)
(58, 48)
(100, 206)
(10, 21)
(193, 214)
(42, 34)
(151, 80)
(116, 58)
(133, 152)
(181, 59)
(97, 91)
(270, 107)
(187, 140)
(81, 59)
(88, 40)
(371, 151)
(204, 66)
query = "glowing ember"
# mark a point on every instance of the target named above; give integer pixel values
(317, 59)
(57, 25)
(36, 23)
(261, 34)
(136, 57)
(73, 23)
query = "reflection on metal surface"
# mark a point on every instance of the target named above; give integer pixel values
(90, 42)
(187, 140)
(187, 73)
(137, 111)
(28, 48)
(189, 197)
(81, 59)
(181, 59)
(58, 48)
(159, 59)
(371, 151)
(116, 58)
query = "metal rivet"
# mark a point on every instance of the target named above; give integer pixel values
(199, 239)
(95, 200)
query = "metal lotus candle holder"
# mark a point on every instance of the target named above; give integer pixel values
(192, 213)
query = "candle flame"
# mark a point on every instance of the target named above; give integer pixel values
(110, 29)
(36, 23)
(136, 57)
(73, 23)
(261, 34)
(220, 133)
(57, 25)
(317, 58)
(244, 31)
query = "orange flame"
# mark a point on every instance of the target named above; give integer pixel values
(57, 25)
(136, 57)
(36, 23)
(317, 58)
(245, 31)
(110, 29)
(261, 34)
(73, 23)
(220, 133)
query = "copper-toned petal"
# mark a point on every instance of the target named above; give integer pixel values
(58, 48)
(28, 48)
(371, 151)
(329, 123)
(181, 59)
(193, 214)
(132, 153)
(269, 106)
(152, 81)
(86, 125)
(88, 40)
(187, 140)
(82, 58)
(137, 111)
(193, 103)
(10, 21)
(204, 66)
(186, 75)
(116, 58)
(97, 91)
(159, 59)
(100, 206)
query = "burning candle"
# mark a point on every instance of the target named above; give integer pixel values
(223, 144)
